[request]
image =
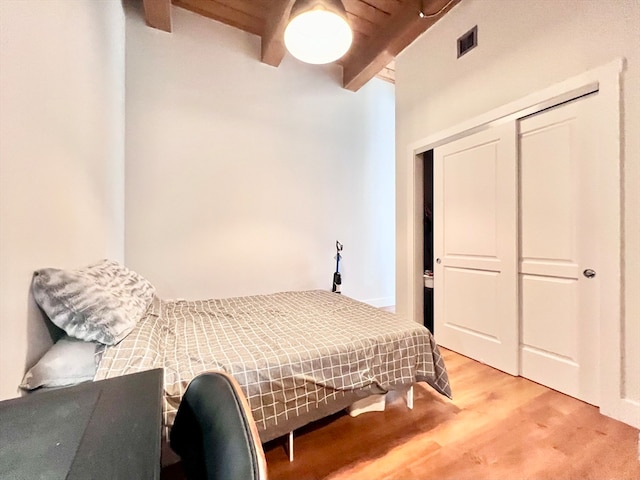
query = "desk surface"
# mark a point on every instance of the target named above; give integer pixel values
(108, 429)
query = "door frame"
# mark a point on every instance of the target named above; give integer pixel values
(606, 80)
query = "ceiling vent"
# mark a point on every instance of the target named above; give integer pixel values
(467, 41)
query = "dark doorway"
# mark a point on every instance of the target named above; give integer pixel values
(427, 221)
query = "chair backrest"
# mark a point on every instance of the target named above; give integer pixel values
(214, 432)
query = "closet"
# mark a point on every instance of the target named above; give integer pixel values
(516, 246)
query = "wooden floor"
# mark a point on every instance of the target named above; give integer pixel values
(497, 427)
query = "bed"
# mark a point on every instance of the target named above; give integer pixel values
(298, 356)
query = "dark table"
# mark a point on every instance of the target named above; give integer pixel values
(108, 429)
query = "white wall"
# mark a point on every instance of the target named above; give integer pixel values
(524, 46)
(240, 177)
(61, 156)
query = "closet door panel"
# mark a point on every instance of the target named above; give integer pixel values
(548, 200)
(469, 193)
(549, 304)
(475, 305)
(477, 315)
(559, 245)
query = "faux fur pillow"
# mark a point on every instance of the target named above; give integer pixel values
(101, 302)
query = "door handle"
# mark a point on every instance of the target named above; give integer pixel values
(589, 273)
(438, 261)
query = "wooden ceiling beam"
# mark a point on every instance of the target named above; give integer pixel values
(273, 48)
(157, 14)
(243, 16)
(365, 11)
(388, 73)
(403, 28)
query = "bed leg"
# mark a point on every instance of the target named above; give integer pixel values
(290, 446)
(410, 398)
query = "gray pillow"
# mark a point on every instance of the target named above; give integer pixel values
(101, 302)
(69, 361)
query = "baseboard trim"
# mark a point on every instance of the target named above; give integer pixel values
(381, 302)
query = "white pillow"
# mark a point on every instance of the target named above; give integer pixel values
(101, 302)
(68, 361)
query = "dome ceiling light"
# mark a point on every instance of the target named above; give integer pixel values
(318, 31)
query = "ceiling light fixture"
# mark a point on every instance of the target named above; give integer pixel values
(318, 31)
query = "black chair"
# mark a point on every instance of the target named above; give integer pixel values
(214, 432)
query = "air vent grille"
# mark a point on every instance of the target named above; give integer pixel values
(468, 41)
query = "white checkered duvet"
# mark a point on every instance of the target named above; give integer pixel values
(298, 356)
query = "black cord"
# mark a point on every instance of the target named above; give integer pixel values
(431, 15)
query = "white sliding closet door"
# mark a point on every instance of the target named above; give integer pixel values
(558, 248)
(475, 227)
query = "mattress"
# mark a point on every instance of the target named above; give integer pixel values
(298, 356)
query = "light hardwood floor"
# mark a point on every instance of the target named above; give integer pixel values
(496, 427)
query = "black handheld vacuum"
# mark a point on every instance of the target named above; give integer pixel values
(337, 278)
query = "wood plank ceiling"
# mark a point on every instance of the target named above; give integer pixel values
(381, 28)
